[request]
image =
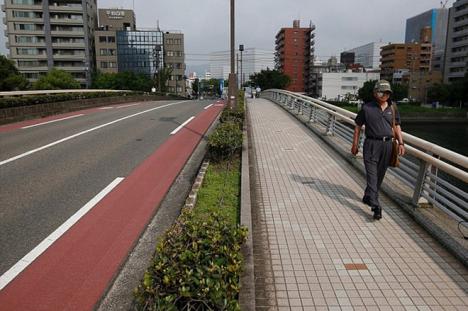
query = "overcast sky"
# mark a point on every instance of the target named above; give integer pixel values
(340, 24)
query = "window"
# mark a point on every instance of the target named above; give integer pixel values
(29, 51)
(107, 52)
(102, 39)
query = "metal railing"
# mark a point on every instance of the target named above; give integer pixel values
(431, 172)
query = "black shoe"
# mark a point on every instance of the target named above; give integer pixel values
(377, 212)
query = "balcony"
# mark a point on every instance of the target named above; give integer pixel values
(66, 8)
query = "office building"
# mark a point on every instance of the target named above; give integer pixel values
(343, 85)
(436, 20)
(43, 34)
(174, 59)
(367, 55)
(111, 21)
(294, 53)
(253, 61)
(456, 59)
(140, 51)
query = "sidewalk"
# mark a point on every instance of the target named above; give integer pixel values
(316, 246)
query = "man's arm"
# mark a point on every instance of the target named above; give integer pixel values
(399, 137)
(355, 147)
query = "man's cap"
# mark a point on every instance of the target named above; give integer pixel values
(383, 86)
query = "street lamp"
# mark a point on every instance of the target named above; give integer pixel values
(241, 49)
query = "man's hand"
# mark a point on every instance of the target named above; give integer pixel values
(401, 150)
(354, 149)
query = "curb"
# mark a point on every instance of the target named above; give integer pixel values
(247, 279)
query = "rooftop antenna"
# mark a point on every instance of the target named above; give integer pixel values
(158, 25)
(443, 4)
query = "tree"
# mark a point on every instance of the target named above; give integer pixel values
(56, 79)
(122, 81)
(438, 93)
(195, 87)
(10, 78)
(400, 91)
(270, 79)
(366, 92)
(161, 78)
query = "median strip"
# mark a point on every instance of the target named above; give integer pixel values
(14, 271)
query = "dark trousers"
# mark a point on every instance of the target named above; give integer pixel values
(376, 160)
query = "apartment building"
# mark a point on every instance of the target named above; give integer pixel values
(174, 59)
(43, 34)
(456, 59)
(413, 57)
(294, 53)
(111, 21)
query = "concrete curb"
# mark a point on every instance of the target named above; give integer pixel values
(433, 229)
(119, 295)
(247, 280)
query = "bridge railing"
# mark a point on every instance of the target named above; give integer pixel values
(431, 172)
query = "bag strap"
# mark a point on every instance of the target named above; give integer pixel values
(393, 120)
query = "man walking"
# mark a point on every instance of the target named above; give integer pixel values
(377, 116)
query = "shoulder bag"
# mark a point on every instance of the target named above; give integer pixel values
(394, 161)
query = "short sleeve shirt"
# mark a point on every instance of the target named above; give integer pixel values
(378, 123)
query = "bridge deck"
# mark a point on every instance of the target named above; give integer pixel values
(316, 245)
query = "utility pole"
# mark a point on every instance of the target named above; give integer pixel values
(232, 91)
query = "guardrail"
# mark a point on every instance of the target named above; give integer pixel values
(47, 92)
(434, 173)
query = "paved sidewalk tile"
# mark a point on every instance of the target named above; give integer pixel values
(316, 246)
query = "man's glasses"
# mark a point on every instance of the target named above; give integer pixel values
(382, 94)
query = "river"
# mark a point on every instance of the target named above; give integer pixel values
(453, 136)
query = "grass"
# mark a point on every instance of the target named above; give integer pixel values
(220, 191)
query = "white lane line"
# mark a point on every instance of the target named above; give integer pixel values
(105, 108)
(182, 125)
(125, 106)
(208, 106)
(14, 271)
(81, 133)
(56, 120)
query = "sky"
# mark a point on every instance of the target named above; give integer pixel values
(340, 24)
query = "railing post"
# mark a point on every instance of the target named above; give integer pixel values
(311, 113)
(419, 182)
(331, 124)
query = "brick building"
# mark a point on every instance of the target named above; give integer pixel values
(294, 54)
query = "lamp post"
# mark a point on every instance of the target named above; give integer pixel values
(232, 91)
(241, 49)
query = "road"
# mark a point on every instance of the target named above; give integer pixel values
(52, 168)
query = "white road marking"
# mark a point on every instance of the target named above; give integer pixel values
(52, 121)
(105, 108)
(82, 133)
(182, 125)
(208, 106)
(125, 106)
(16, 269)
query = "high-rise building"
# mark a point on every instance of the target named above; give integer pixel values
(111, 21)
(436, 20)
(456, 59)
(294, 55)
(174, 59)
(367, 55)
(43, 34)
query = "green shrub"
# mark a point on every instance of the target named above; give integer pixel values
(8, 102)
(225, 141)
(197, 266)
(233, 115)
